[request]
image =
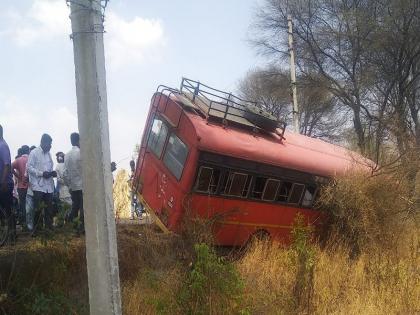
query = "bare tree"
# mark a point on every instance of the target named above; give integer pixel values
(330, 39)
(396, 58)
(318, 113)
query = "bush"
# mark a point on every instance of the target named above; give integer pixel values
(212, 287)
(304, 257)
(364, 212)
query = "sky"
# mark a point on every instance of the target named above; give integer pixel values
(147, 43)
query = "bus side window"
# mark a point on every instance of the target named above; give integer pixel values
(237, 184)
(204, 179)
(308, 197)
(284, 191)
(214, 181)
(258, 188)
(207, 180)
(270, 189)
(175, 156)
(296, 194)
(157, 137)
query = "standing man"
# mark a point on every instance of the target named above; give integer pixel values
(135, 207)
(6, 185)
(62, 188)
(19, 170)
(29, 200)
(73, 178)
(41, 173)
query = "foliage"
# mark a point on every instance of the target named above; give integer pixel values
(37, 302)
(121, 194)
(318, 114)
(365, 211)
(213, 286)
(366, 54)
(304, 255)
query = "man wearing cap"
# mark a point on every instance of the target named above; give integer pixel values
(62, 188)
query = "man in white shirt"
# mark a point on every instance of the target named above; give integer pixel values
(41, 173)
(29, 200)
(63, 190)
(73, 178)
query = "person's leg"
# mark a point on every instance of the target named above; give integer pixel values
(66, 208)
(74, 206)
(48, 210)
(37, 210)
(22, 205)
(29, 212)
(82, 213)
(6, 201)
(133, 206)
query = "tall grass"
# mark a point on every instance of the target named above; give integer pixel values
(121, 195)
(367, 263)
(370, 284)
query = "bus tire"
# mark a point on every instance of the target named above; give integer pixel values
(258, 236)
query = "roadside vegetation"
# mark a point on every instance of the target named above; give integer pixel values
(366, 261)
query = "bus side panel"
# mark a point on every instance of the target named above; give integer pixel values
(150, 182)
(161, 190)
(179, 190)
(238, 220)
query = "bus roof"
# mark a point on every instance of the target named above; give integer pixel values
(295, 151)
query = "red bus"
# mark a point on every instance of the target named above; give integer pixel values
(210, 154)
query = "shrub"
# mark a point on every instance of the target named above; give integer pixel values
(364, 212)
(304, 257)
(212, 287)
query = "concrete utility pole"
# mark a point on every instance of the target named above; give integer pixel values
(101, 246)
(293, 76)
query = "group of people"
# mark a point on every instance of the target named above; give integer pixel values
(34, 173)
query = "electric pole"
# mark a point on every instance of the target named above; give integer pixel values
(101, 246)
(293, 76)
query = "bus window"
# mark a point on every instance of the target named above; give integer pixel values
(175, 155)
(207, 180)
(284, 191)
(296, 194)
(308, 196)
(214, 181)
(237, 184)
(157, 137)
(270, 189)
(204, 178)
(258, 189)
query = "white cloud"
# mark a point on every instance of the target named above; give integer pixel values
(124, 132)
(25, 123)
(134, 41)
(127, 42)
(45, 20)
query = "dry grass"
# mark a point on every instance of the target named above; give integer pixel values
(150, 265)
(154, 267)
(121, 194)
(377, 214)
(368, 263)
(367, 212)
(370, 284)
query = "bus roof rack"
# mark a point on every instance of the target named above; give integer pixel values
(220, 105)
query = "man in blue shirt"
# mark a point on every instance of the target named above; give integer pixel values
(6, 186)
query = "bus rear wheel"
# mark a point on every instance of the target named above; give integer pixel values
(259, 236)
